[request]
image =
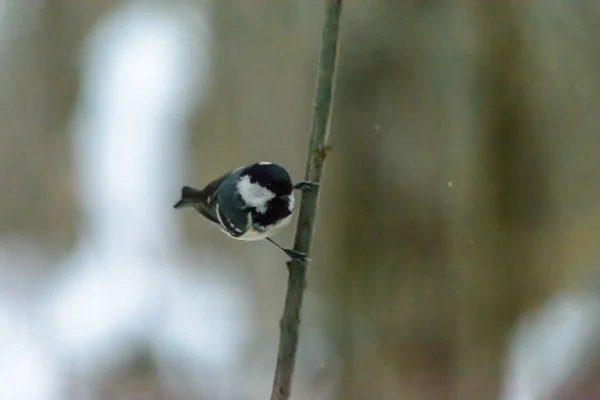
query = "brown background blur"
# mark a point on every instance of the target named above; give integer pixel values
(462, 188)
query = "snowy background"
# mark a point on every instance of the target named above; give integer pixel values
(456, 249)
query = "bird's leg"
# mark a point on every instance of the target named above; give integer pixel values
(305, 185)
(296, 255)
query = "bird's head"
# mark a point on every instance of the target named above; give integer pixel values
(262, 182)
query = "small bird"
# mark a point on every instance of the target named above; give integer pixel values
(248, 203)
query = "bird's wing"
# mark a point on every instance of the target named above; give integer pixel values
(208, 211)
(233, 213)
(208, 208)
(235, 224)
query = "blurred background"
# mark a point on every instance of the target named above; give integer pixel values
(456, 254)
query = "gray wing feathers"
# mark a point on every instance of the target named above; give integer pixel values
(208, 211)
(220, 203)
(232, 209)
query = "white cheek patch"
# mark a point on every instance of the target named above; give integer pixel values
(254, 194)
(291, 202)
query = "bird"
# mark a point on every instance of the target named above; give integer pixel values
(249, 203)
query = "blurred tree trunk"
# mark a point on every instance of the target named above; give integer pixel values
(39, 82)
(467, 142)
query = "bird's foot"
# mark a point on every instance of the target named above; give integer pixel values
(296, 255)
(306, 185)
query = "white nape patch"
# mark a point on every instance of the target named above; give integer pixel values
(291, 202)
(254, 194)
(265, 163)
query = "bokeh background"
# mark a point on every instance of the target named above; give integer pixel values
(456, 254)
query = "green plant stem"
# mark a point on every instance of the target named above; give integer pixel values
(323, 99)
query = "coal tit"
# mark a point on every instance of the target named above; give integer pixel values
(248, 203)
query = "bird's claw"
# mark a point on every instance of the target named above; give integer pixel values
(296, 255)
(306, 185)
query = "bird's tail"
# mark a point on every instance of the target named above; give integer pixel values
(189, 197)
